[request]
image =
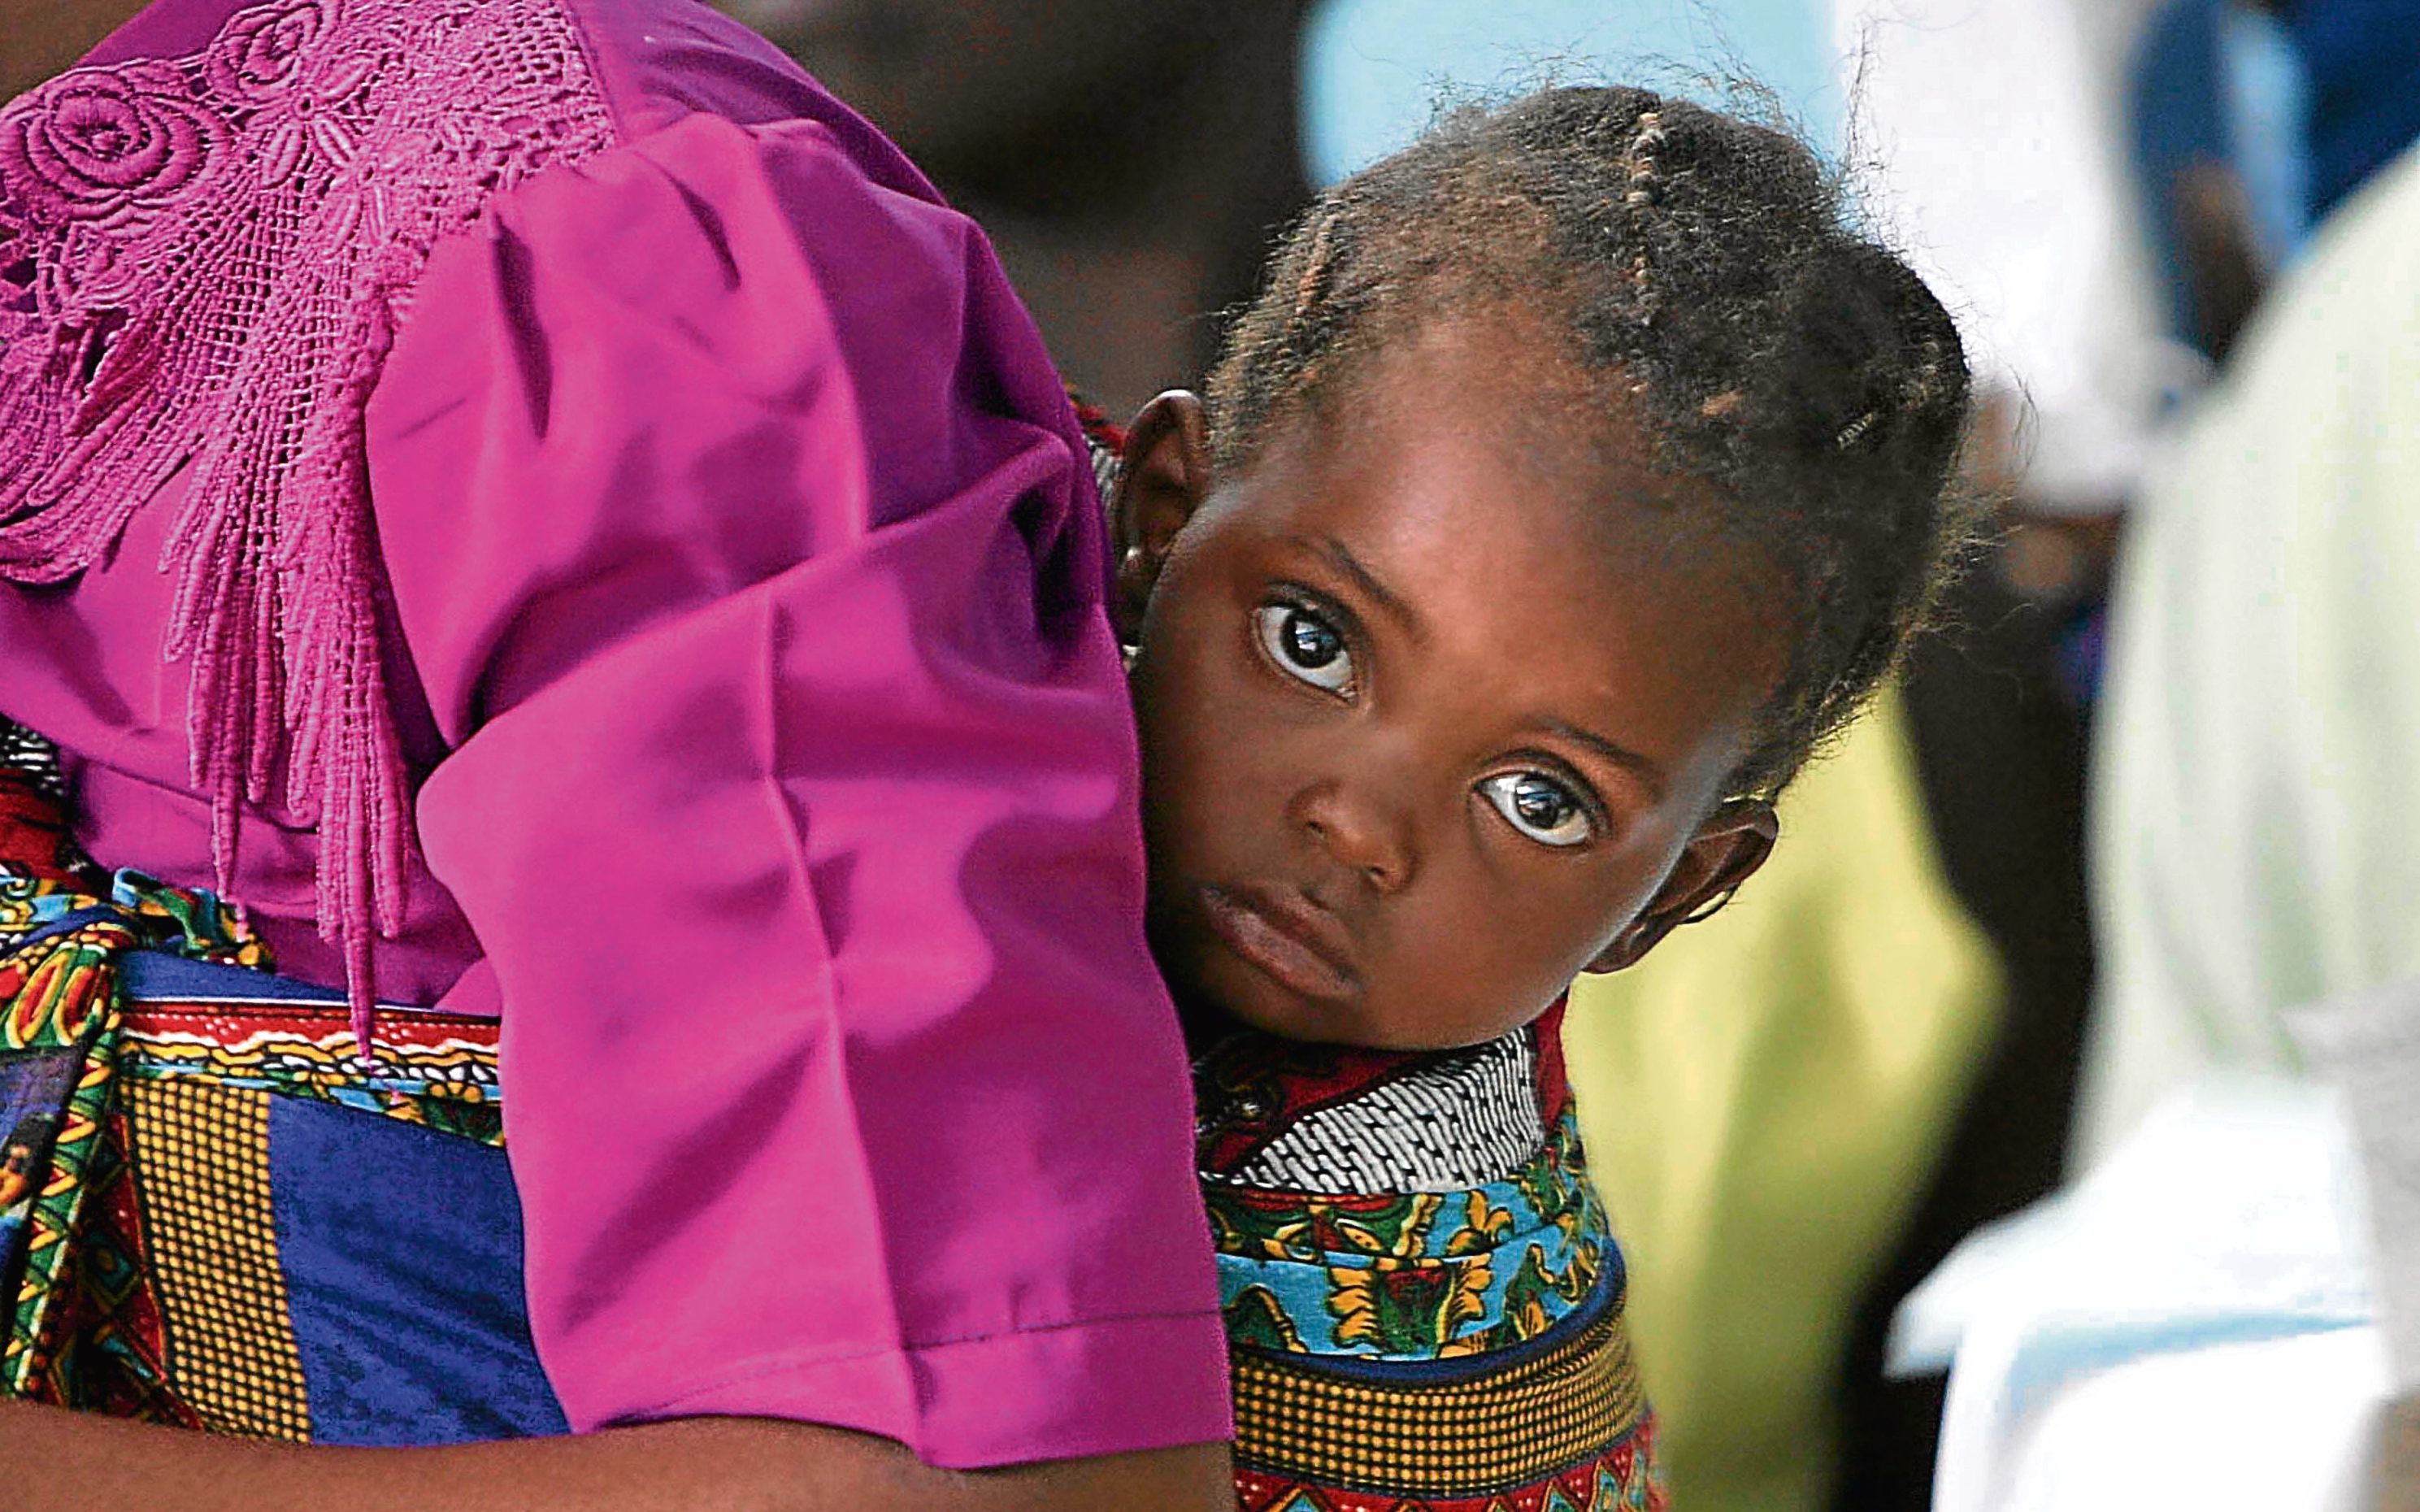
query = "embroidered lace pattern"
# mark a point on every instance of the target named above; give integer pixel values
(203, 262)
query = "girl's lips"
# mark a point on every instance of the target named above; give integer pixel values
(1294, 941)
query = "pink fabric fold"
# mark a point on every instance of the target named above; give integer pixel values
(773, 778)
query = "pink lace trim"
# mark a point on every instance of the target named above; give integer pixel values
(202, 264)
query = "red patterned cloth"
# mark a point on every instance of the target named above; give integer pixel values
(33, 834)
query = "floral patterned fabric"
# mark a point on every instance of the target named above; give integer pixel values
(192, 1229)
(61, 952)
(1424, 1297)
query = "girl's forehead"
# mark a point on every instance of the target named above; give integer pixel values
(1472, 441)
(1506, 390)
(1517, 575)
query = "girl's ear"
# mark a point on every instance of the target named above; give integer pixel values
(1163, 476)
(1726, 850)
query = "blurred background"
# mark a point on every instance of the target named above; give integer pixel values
(2144, 794)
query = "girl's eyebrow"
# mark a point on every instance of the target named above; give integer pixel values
(1347, 563)
(1641, 767)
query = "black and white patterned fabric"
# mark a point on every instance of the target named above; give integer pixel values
(1105, 467)
(22, 751)
(1461, 1121)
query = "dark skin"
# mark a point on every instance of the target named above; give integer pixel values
(1434, 716)
(727, 1464)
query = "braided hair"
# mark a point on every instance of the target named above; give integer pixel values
(1710, 294)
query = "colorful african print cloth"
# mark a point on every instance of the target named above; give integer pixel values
(214, 1212)
(1422, 1294)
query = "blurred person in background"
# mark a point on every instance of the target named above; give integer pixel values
(2360, 58)
(1986, 131)
(2250, 746)
(2252, 835)
(2250, 844)
(2204, 1284)
(2215, 101)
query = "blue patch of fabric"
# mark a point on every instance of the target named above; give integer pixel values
(402, 1252)
(34, 1089)
(157, 977)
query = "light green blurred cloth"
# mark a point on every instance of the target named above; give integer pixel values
(2255, 816)
(1764, 1098)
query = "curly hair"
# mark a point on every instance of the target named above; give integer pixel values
(1713, 293)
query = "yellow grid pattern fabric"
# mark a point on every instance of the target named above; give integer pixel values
(201, 1161)
(1507, 1427)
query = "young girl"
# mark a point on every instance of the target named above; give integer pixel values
(1576, 473)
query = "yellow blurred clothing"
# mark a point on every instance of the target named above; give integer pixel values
(1763, 1099)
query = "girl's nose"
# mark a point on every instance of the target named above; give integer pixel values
(1360, 828)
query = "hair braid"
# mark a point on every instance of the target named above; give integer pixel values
(1708, 287)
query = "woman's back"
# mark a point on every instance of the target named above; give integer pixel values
(176, 331)
(567, 451)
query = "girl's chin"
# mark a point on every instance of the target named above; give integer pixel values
(1208, 1018)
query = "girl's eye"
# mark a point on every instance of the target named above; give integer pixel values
(1539, 807)
(1306, 646)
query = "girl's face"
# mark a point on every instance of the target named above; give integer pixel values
(1429, 724)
